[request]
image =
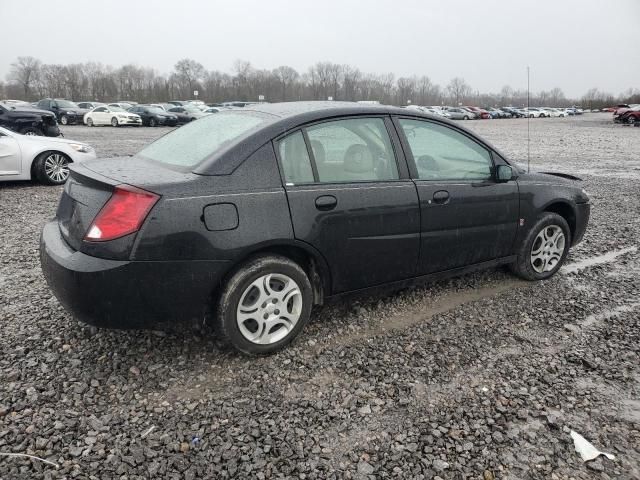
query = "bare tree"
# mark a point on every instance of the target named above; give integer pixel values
(24, 71)
(189, 73)
(286, 76)
(459, 90)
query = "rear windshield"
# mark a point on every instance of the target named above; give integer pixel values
(189, 145)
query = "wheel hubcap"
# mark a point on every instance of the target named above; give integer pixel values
(547, 249)
(269, 309)
(56, 167)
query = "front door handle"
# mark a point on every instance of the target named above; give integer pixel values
(326, 202)
(440, 197)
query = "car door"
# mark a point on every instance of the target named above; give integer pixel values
(467, 216)
(351, 199)
(101, 116)
(10, 156)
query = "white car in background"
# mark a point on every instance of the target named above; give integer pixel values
(111, 115)
(535, 112)
(26, 157)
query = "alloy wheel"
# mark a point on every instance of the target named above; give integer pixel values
(269, 309)
(56, 167)
(547, 249)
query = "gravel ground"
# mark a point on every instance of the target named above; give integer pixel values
(479, 377)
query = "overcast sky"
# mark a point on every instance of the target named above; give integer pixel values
(571, 44)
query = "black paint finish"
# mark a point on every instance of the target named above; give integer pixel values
(349, 236)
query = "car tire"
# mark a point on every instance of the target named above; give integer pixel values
(64, 120)
(246, 288)
(32, 131)
(466, 117)
(90, 122)
(114, 122)
(631, 120)
(51, 168)
(153, 122)
(544, 248)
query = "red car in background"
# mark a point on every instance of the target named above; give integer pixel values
(631, 116)
(480, 112)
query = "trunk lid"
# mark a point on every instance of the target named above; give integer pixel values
(90, 186)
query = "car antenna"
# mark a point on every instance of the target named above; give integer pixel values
(528, 125)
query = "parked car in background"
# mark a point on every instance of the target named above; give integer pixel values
(153, 116)
(28, 120)
(214, 109)
(24, 157)
(621, 110)
(16, 103)
(514, 112)
(456, 113)
(66, 111)
(122, 105)
(90, 105)
(187, 113)
(497, 113)
(111, 115)
(533, 112)
(258, 215)
(630, 115)
(480, 113)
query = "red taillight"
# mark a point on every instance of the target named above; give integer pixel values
(123, 214)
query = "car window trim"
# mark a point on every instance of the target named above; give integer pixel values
(411, 162)
(398, 154)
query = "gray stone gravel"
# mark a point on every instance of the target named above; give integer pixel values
(479, 377)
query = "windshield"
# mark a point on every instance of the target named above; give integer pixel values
(154, 110)
(116, 109)
(66, 104)
(191, 144)
(191, 108)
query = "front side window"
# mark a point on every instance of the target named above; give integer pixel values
(352, 150)
(442, 153)
(295, 160)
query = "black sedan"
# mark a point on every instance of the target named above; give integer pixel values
(187, 113)
(153, 116)
(28, 120)
(250, 217)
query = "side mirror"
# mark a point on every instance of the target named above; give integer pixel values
(505, 173)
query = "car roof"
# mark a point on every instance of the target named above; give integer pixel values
(280, 118)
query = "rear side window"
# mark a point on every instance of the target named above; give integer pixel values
(442, 153)
(353, 150)
(196, 141)
(295, 159)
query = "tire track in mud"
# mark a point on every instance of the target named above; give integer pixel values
(219, 377)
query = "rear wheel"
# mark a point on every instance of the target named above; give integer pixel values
(264, 305)
(52, 168)
(31, 131)
(114, 122)
(544, 248)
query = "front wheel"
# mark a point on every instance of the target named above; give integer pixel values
(90, 121)
(631, 120)
(465, 117)
(114, 122)
(264, 305)
(64, 120)
(52, 168)
(544, 249)
(153, 122)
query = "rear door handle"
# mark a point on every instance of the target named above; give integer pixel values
(441, 196)
(326, 202)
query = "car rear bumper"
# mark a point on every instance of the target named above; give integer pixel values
(127, 294)
(583, 211)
